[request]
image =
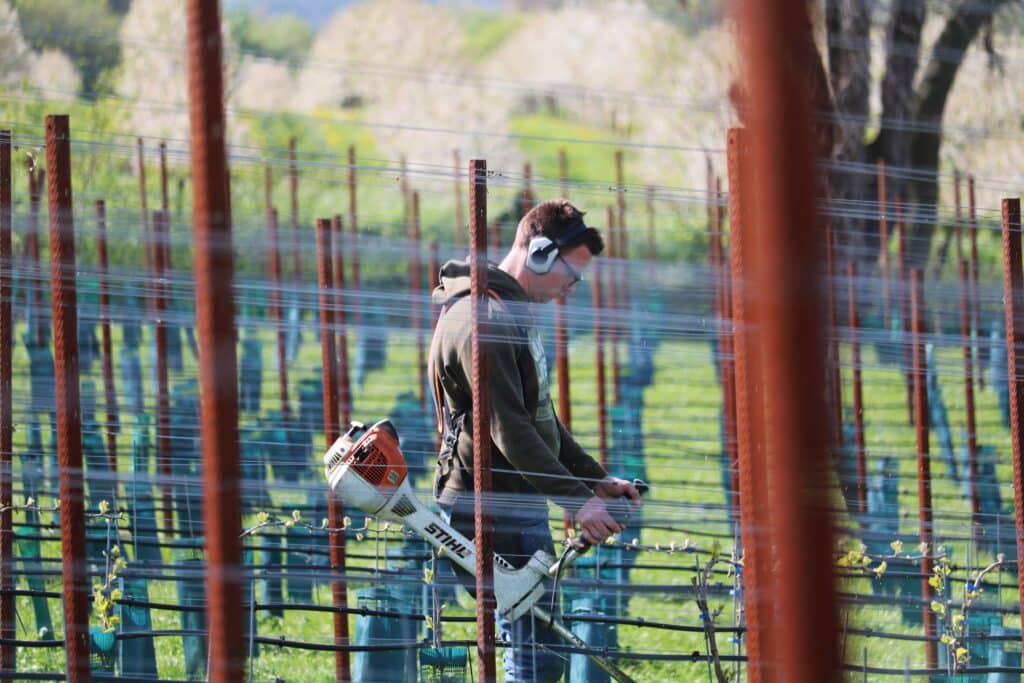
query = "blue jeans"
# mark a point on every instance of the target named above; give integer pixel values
(517, 535)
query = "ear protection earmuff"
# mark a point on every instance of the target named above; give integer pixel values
(542, 252)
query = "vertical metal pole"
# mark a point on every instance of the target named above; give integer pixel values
(834, 381)
(620, 195)
(975, 289)
(757, 577)
(904, 302)
(527, 195)
(433, 280)
(958, 216)
(416, 277)
(141, 160)
(32, 250)
(482, 519)
(563, 173)
(562, 369)
(562, 363)
(331, 434)
(612, 324)
(726, 344)
(788, 286)
(623, 249)
(720, 307)
(602, 403)
(728, 366)
(109, 390)
(1013, 291)
(353, 227)
(63, 305)
(460, 224)
(344, 386)
(274, 301)
(293, 188)
(163, 404)
(268, 188)
(7, 652)
(858, 392)
(924, 477)
(883, 244)
(972, 436)
(404, 188)
(218, 362)
(164, 202)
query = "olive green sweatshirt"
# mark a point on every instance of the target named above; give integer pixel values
(531, 450)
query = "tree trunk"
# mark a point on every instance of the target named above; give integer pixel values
(849, 23)
(929, 106)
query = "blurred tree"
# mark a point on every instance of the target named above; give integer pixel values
(913, 99)
(14, 53)
(907, 132)
(85, 30)
(282, 36)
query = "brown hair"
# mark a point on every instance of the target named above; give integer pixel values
(554, 218)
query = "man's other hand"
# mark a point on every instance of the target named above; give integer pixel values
(595, 523)
(613, 487)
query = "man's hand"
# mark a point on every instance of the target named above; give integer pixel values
(613, 487)
(595, 523)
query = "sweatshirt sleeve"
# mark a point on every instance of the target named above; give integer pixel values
(577, 460)
(512, 429)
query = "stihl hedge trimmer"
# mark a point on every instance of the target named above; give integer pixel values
(366, 469)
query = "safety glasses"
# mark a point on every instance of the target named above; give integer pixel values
(577, 277)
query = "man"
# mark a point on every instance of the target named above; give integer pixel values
(534, 457)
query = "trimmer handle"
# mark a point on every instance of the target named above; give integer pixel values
(621, 510)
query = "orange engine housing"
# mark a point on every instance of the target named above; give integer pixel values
(377, 458)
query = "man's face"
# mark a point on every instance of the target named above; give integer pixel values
(568, 270)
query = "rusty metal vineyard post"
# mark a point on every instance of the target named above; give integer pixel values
(858, 394)
(112, 426)
(562, 370)
(611, 328)
(597, 302)
(164, 200)
(275, 306)
(335, 513)
(527, 195)
(353, 228)
(416, 287)
(563, 172)
(483, 522)
(218, 363)
(971, 441)
(834, 381)
(924, 476)
(903, 299)
(1013, 291)
(7, 632)
(163, 410)
(718, 309)
(63, 303)
(787, 286)
(293, 194)
(338, 260)
(748, 388)
(883, 244)
(140, 155)
(976, 332)
(459, 220)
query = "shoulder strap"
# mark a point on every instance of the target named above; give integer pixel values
(440, 406)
